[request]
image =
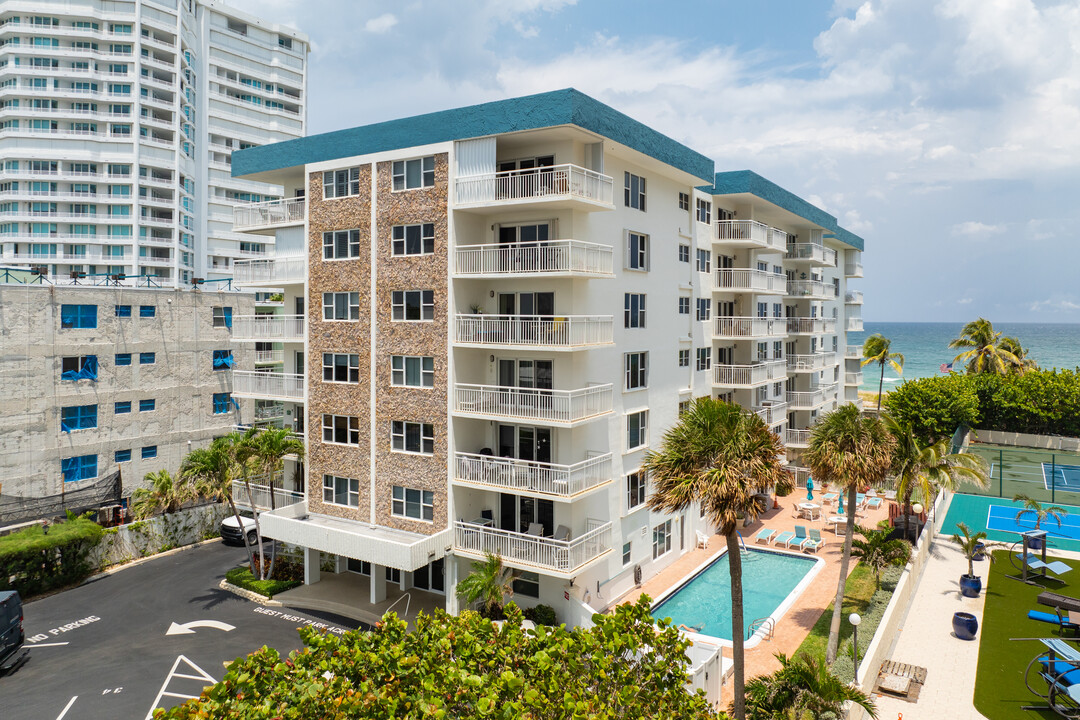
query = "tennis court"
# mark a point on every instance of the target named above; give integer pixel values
(1003, 519)
(978, 513)
(1046, 475)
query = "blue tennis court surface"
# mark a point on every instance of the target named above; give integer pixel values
(974, 511)
(1003, 518)
(1065, 477)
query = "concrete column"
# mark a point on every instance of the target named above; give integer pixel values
(378, 583)
(340, 564)
(450, 577)
(311, 566)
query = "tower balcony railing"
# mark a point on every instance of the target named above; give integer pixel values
(267, 385)
(557, 182)
(269, 357)
(853, 378)
(268, 327)
(812, 362)
(563, 332)
(773, 413)
(814, 289)
(853, 351)
(270, 271)
(811, 326)
(749, 280)
(557, 407)
(853, 297)
(853, 269)
(797, 438)
(543, 554)
(853, 324)
(811, 399)
(269, 214)
(559, 481)
(813, 253)
(735, 328)
(745, 376)
(553, 257)
(749, 234)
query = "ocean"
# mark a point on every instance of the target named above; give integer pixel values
(925, 346)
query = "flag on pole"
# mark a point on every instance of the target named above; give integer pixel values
(946, 367)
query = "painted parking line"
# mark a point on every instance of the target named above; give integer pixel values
(202, 677)
(66, 708)
(48, 645)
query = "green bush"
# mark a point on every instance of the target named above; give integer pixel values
(242, 577)
(542, 615)
(33, 561)
(935, 406)
(844, 667)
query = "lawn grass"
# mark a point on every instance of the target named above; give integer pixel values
(857, 593)
(999, 682)
(242, 577)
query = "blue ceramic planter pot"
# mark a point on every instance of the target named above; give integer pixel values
(965, 625)
(1035, 543)
(970, 586)
(980, 552)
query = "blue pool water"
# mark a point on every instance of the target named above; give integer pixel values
(704, 602)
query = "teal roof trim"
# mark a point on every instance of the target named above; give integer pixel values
(747, 181)
(532, 112)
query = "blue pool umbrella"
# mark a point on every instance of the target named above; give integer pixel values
(841, 503)
(809, 488)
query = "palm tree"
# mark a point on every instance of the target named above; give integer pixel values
(927, 469)
(1031, 505)
(802, 687)
(850, 451)
(723, 458)
(1024, 363)
(489, 583)
(875, 349)
(985, 353)
(969, 545)
(166, 494)
(266, 449)
(878, 552)
(213, 470)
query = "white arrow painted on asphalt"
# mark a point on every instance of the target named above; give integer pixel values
(188, 628)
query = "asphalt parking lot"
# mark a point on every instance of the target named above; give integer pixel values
(104, 649)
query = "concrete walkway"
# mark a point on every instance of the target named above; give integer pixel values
(347, 594)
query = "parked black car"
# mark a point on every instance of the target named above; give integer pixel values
(12, 636)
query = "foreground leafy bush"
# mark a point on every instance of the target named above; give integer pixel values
(242, 578)
(465, 667)
(935, 406)
(33, 561)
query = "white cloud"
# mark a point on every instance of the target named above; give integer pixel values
(964, 301)
(1058, 304)
(972, 228)
(381, 24)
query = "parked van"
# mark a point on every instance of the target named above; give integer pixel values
(12, 636)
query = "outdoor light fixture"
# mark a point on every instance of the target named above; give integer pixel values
(854, 619)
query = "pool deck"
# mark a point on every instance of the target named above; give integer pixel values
(796, 623)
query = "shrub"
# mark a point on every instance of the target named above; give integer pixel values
(542, 615)
(844, 667)
(935, 406)
(242, 578)
(33, 561)
(283, 569)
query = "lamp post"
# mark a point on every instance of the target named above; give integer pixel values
(917, 509)
(854, 619)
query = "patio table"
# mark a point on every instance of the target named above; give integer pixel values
(809, 509)
(836, 521)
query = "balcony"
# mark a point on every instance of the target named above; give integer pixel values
(853, 324)
(773, 414)
(267, 385)
(739, 328)
(260, 496)
(270, 273)
(573, 332)
(569, 185)
(811, 399)
(813, 289)
(853, 297)
(747, 280)
(568, 258)
(562, 558)
(270, 412)
(269, 357)
(853, 378)
(268, 328)
(853, 352)
(814, 254)
(563, 408)
(748, 376)
(853, 269)
(266, 217)
(544, 480)
(749, 234)
(811, 326)
(810, 363)
(797, 438)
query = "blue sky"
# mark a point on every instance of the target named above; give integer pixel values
(945, 132)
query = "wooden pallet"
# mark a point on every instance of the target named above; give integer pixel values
(900, 680)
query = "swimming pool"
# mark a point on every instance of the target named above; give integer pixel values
(771, 582)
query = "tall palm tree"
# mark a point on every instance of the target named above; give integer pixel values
(928, 469)
(850, 451)
(489, 583)
(875, 349)
(213, 470)
(266, 449)
(984, 353)
(166, 494)
(878, 552)
(1023, 362)
(802, 687)
(723, 458)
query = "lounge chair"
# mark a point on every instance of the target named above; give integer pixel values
(1059, 668)
(1034, 563)
(828, 498)
(873, 503)
(782, 538)
(1054, 618)
(800, 538)
(815, 542)
(702, 539)
(764, 535)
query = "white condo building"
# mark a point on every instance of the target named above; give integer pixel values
(118, 120)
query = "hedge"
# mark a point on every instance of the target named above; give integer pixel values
(33, 561)
(241, 577)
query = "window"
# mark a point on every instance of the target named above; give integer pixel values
(414, 239)
(684, 405)
(413, 305)
(704, 261)
(634, 310)
(147, 358)
(341, 429)
(412, 437)
(411, 174)
(626, 553)
(704, 308)
(79, 367)
(684, 201)
(704, 358)
(704, 211)
(78, 316)
(341, 491)
(778, 388)
(415, 504)
(122, 311)
(222, 316)
(341, 306)
(83, 467)
(684, 253)
(121, 407)
(149, 452)
(147, 311)
(222, 360)
(637, 369)
(221, 402)
(684, 306)
(340, 368)
(407, 371)
(635, 489)
(527, 584)
(637, 427)
(78, 417)
(122, 359)
(147, 405)
(634, 191)
(684, 358)
(661, 539)
(341, 183)
(341, 244)
(637, 251)
(122, 456)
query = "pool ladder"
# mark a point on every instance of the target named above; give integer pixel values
(765, 622)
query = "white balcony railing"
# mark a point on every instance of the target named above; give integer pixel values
(810, 363)
(268, 385)
(853, 269)
(811, 399)
(269, 412)
(574, 331)
(853, 378)
(853, 324)
(811, 326)
(554, 406)
(749, 233)
(548, 183)
(260, 496)
(268, 327)
(799, 438)
(853, 351)
(555, 257)
(749, 327)
(272, 271)
(562, 481)
(853, 297)
(745, 279)
(541, 553)
(269, 357)
(810, 289)
(812, 252)
(749, 375)
(773, 413)
(272, 213)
